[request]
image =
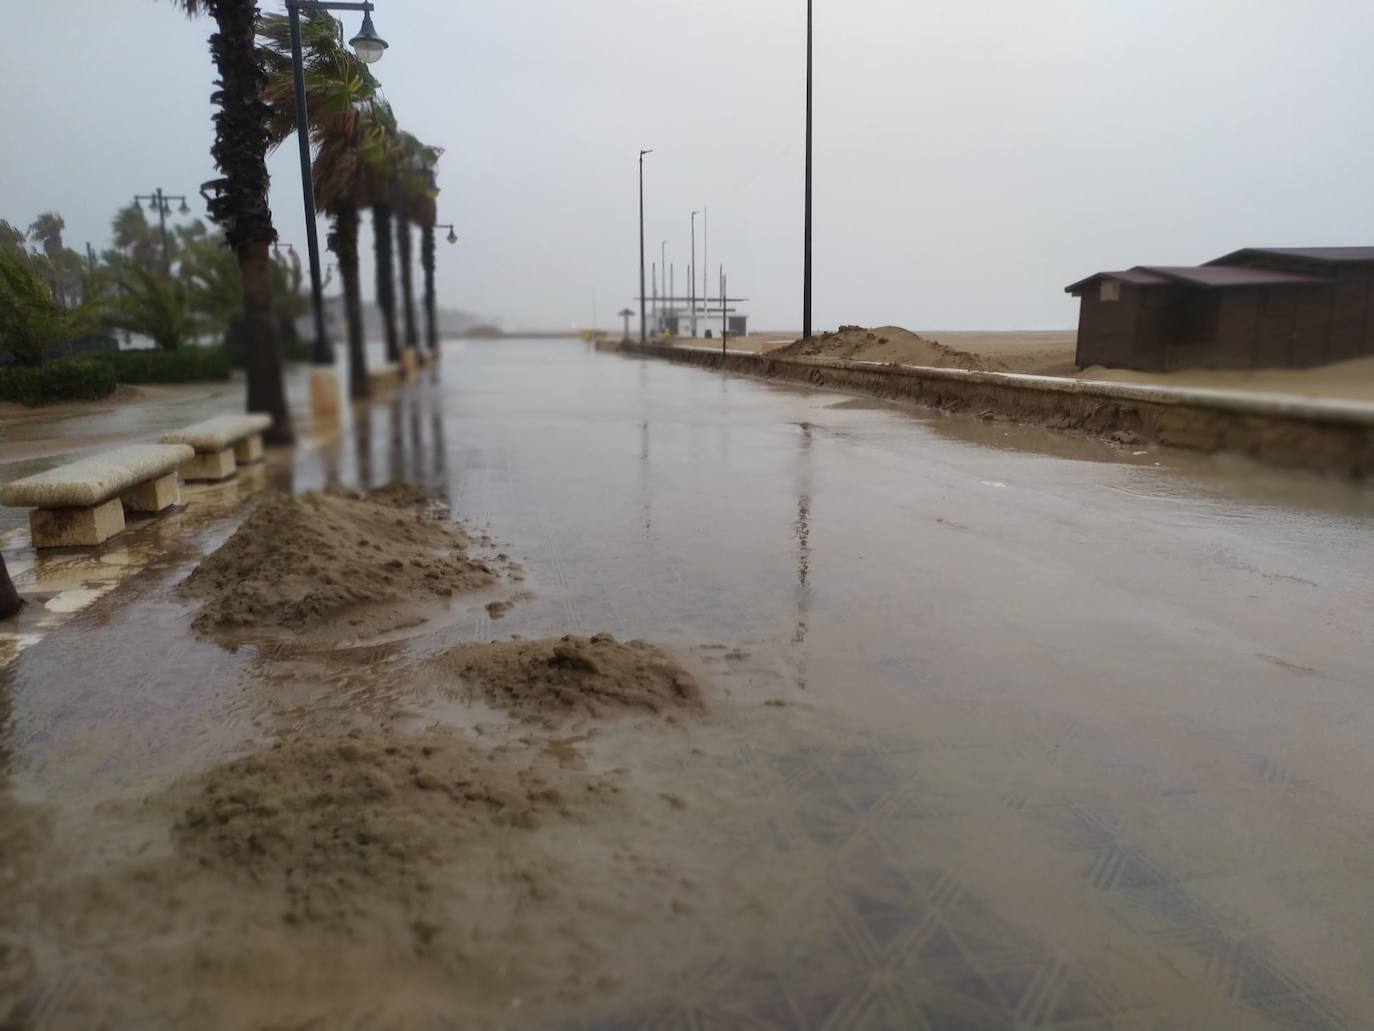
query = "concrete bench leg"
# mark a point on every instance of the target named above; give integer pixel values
(152, 495)
(248, 450)
(76, 527)
(212, 465)
(408, 363)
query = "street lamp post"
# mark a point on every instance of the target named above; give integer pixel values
(159, 200)
(692, 275)
(369, 47)
(665, 303)
(643, 329)
(806, 259)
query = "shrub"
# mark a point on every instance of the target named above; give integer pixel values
(187, 365)
(66, 379)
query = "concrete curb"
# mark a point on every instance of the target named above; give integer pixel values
(1296, 432)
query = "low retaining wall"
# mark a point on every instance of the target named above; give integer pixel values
(1325, 436)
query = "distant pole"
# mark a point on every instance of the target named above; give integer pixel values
(806, 261)
(724, 322)
(643, 328)
(672, 291)
(692, 275)
(663, 264)
(705, 262)
(653, 279)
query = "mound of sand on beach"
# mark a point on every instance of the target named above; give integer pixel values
(330, 821)
(542, 681)
(887, 344)
(301, 561)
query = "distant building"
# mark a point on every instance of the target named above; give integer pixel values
(1254, 308)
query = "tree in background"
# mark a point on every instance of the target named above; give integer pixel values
(65, 269)
(133, 236)
(413, 165)
(155, 305)
(380, 151)
(33, 321)
(239, 204)
(11, 239)
(424, 212)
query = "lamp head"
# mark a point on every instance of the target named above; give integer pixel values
(452, 235)
(367, 44)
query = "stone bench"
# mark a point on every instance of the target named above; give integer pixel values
(82, 503)
(221, 445)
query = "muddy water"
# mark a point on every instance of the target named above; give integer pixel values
(1006, 728)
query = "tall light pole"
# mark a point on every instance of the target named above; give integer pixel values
(643, 328)
(369, 47)
(159, 201)
(806, 260)
(692, 274)
(705, 262)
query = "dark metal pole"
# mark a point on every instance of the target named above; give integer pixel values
(323, 352)
(162, 224)
(806, 261)
(643, 328)
(692, 276)
(724, 322)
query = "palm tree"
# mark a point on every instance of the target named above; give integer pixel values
(338, 88)
(10, 602)
(381, 151)
(64, 264)
(46, 230)
(403, 206)
(133, 236)
(152, 304)
(417, 193)
(414, 181)
(33, 321)
(239, 202)
(424, 211)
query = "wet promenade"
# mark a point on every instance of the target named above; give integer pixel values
(1026, 731)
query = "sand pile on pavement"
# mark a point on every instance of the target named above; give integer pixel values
(302, 561)
(543, 681)
(887, 344)
(334, 820)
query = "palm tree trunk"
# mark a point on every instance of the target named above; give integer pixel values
(345, 244)
(427, 262)
(10, 602)
(407, 279)
(240, 204)
(266, 388)
(386, 279)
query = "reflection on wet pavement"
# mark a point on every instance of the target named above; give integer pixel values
(1087, 749)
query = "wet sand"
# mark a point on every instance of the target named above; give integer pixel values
(1051, 353)
(998, 726)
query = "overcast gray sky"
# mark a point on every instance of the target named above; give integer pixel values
(972, 157)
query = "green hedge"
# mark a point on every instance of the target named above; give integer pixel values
(188, 365)
(66, 379)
